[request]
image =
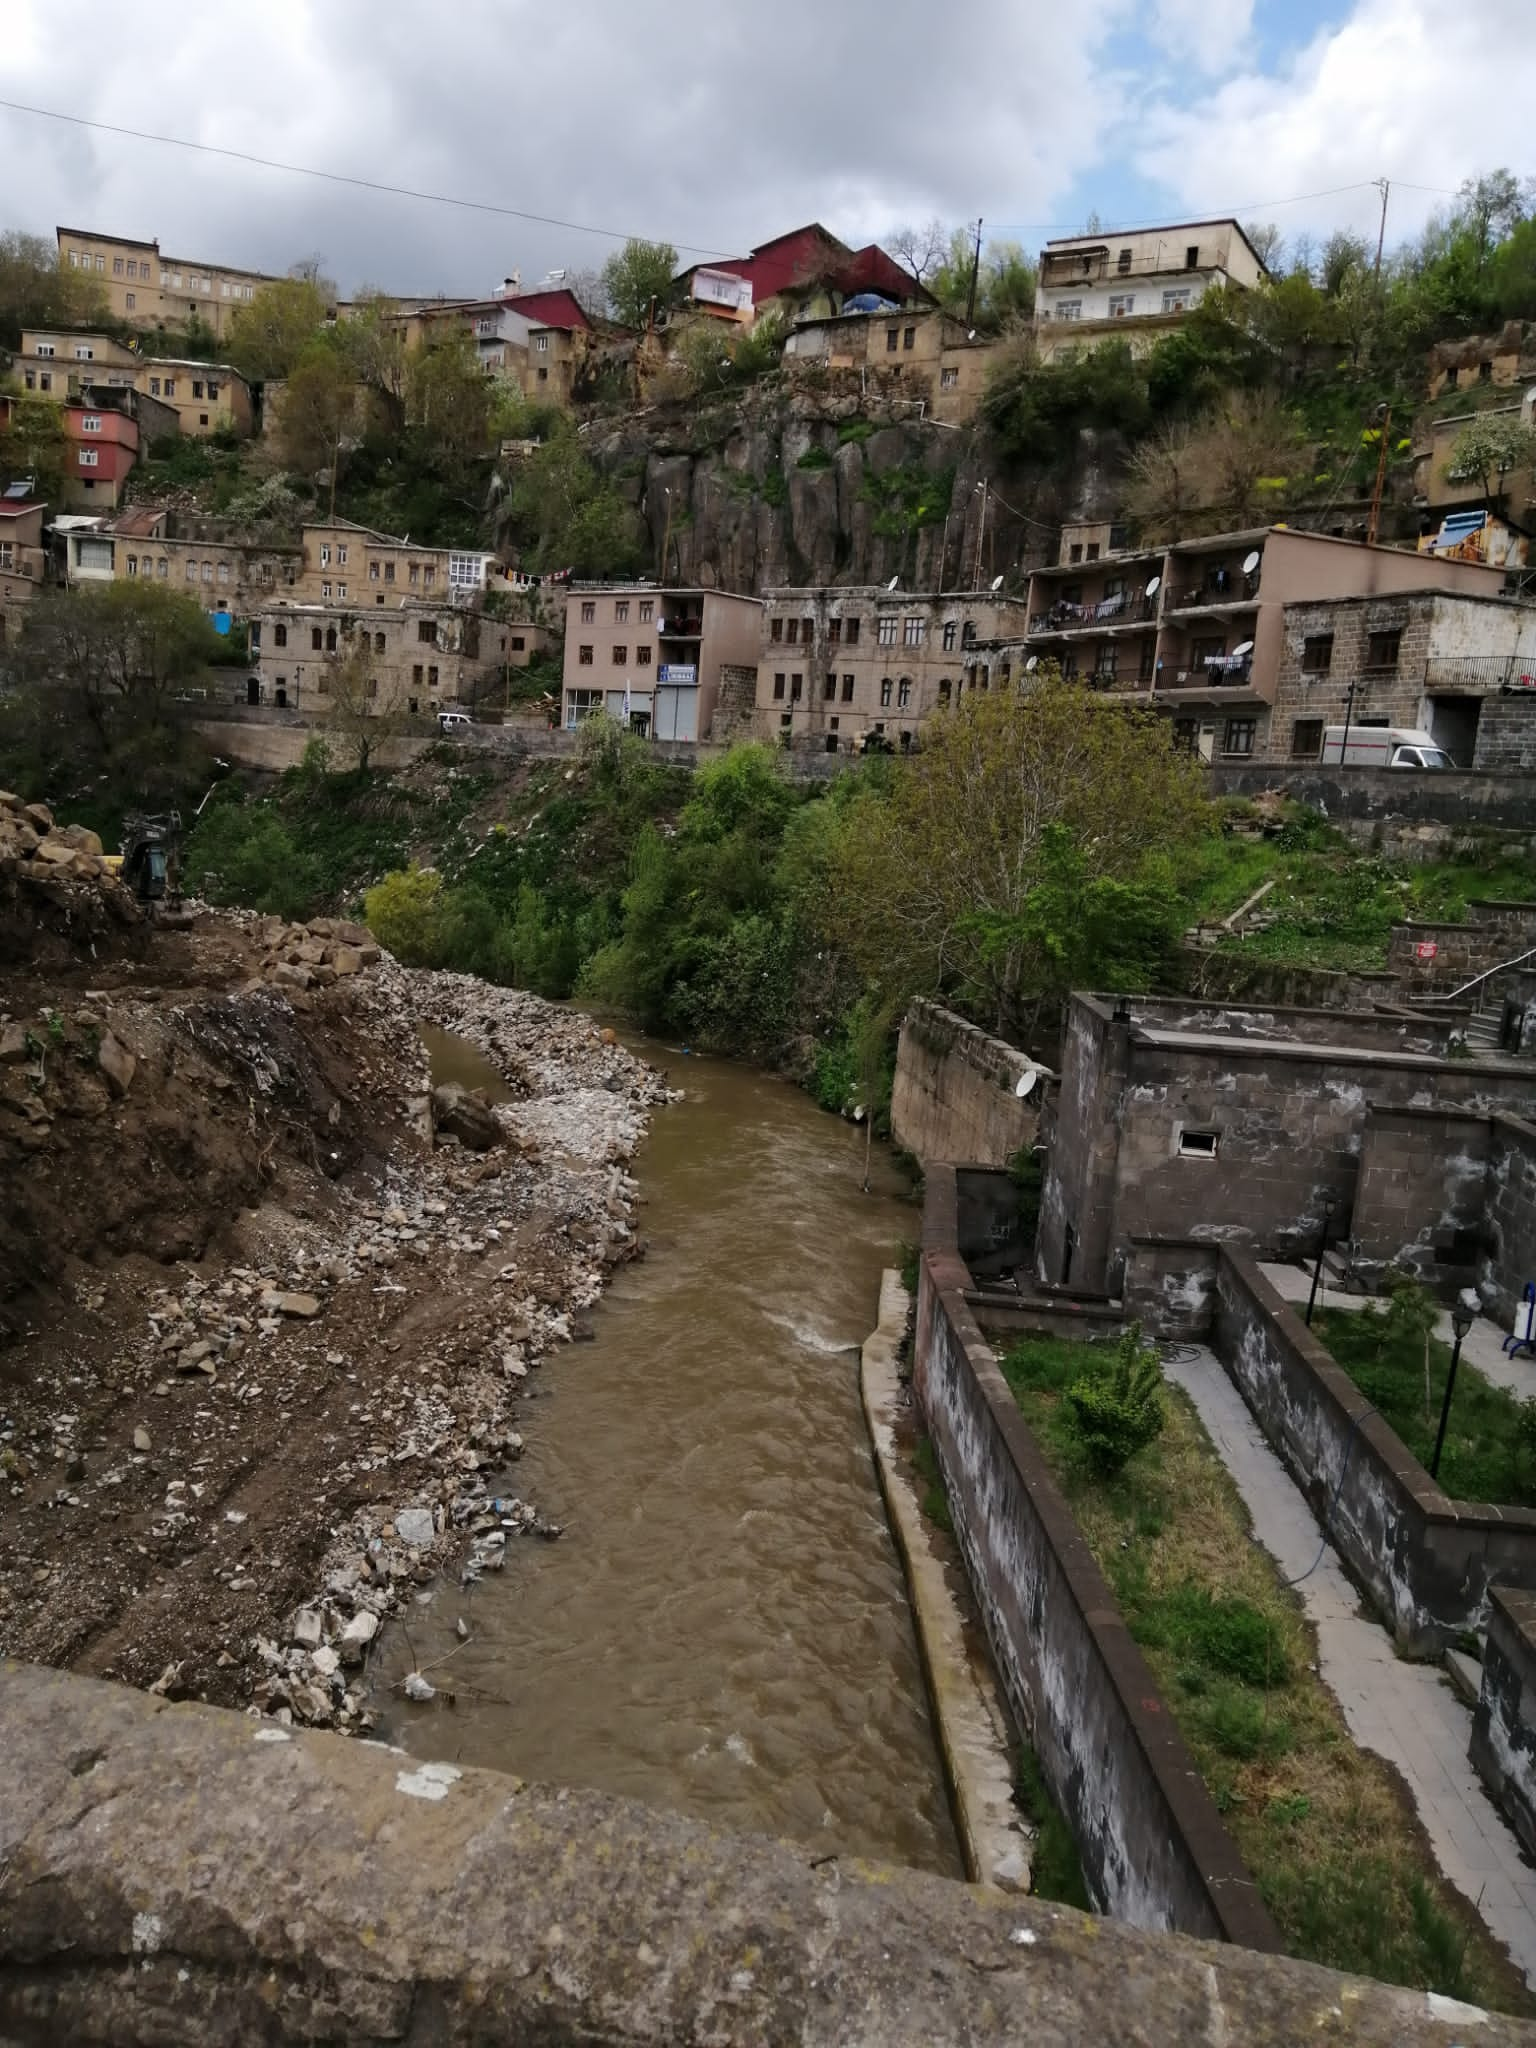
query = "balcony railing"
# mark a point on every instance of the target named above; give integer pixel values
(1125, 609)
(1224, 671)
(1483, 673)
(1226, 586)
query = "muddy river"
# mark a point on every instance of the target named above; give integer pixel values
(723, 1629)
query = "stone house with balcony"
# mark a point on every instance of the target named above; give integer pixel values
(1195, 629)
(1461, 668)
(654, 656)
(838, 666)
(1135, 286)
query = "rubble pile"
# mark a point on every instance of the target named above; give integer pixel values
(55, 885)
(299, 957)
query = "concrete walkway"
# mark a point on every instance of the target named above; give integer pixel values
(1483, 1347)
(1406, 1712)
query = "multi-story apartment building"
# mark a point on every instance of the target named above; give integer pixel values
(652, 654)
(421, 654)
(205, 397)
(145, 289)
(1196, 628)
(534, 339)
(349, 564)
(1135, 285)
(23, 558)
(836, 665)
(1461, 668)
(204, 558)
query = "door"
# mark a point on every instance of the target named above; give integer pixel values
(253, 690)
(1453, 724)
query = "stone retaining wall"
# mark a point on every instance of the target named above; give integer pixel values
(953, 1095)
(197, 1879)
(1503, 1745)
(1152, 1845)
(1459, 798)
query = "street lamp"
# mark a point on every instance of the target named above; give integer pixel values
(1461, 1322)
(1330, 1203)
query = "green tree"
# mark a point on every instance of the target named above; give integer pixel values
(372, 342)
(319, 414)
(34, 443)
(1037, 410)
(352, 706)
(113, 654)
(636, 275)
(1490, 449)
(565, 516)
(35, 291)
(933, 882)
(272, 330)
(451, 402)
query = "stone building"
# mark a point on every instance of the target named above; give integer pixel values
(421, 654)
(654, 655)
(346, 563)
(23, 557)
(1196, 628)
(1462, 668)
(836, 665)
(207, 398)
(1443, 479)
(537, 340)
(921, 354)
(145, 289)
(207, 558)
(1137, 286)
(1176, 1118)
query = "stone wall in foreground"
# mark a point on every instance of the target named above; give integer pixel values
(192, 1877)
(954, 1096)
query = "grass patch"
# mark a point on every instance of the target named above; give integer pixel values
(1055, 1872)
(935, 1505)
(1490, 1442)
(857, 431)
(815, 458)
(1323, 1826)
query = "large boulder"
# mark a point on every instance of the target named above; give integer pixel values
(464, 1113)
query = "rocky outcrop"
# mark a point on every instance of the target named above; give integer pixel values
(57, 893)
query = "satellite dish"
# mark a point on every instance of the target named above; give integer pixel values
(997, 582)
(1250, 562)
(1026, 1082)
(1154, 586)
(893, 583)
(1245, 647)
(1032, 664)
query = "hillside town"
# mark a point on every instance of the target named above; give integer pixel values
(767, 1107)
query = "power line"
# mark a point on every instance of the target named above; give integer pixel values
(267, 163)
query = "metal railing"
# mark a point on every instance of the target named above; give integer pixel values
(1125, 609)
(1230, 588)
(1482, 672)
(1488, 973)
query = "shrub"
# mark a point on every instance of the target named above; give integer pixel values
(406, 914)
(1114, 1414)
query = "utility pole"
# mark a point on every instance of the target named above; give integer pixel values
(970, 297)
(1383, 186)
(1384, 424)
(981, 532)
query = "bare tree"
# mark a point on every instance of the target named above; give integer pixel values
(354, 714)
(922, 250)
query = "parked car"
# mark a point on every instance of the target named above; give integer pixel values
(454, 721)
(1383, 746)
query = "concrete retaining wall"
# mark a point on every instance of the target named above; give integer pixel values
(953, 1096)
(1460, 799)
(1511, 1213)
(1152, 1845)
(1503, 1745)
(196, 1879)
(1426, 1562)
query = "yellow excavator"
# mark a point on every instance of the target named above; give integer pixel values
(150, 864)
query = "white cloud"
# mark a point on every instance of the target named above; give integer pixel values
(1213, 35)
(1386, 93)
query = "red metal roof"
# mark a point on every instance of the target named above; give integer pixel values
(549, 309)
(15, 508)
(872, 270)
(813, 255)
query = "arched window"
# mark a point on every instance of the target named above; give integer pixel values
(330, 639)
(316, 638)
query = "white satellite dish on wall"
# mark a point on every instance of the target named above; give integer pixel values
(1154, 586)
(1250, 562)
(893, 583)
(997, 582)
(1243, 647)
(1026, 1082)
(1032, 664)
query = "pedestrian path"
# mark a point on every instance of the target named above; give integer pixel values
(1406, 1712)
(1483, 1345)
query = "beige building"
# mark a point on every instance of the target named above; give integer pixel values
(145, 289)
(208, 398)
(1135, 286)
(652, 655)
(203, 558)
(421, 654)
(922, 354)
(1460, 668)
(1444, 481)
(1196, 629)
(23, 558)
(837, 665)
(347, 564)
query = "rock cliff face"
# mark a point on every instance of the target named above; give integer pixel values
(780, 489)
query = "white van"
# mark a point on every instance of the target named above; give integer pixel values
(1382, 746)
(454, 721)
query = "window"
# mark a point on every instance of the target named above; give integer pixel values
(101, 262)
(851, 632)
(1123, 261)
(1198, 1144)
(325, 554)
(834, 631)
(341, 555)
(373, 572)
(341, 588)
(643, 655)
(621, 611)
(620, 654)
(543, 374)
(584, 657)
(776, 631)
(224, 289)
(1093, 556)
(197, 387)
(428, 577)
(1381, 649)
(44, 380)
(1485, 373)
(647, 610)
(373, 686)
(887, 630)
(1452, 378)
(154, 387)
(968, 634)
(588, 612)
(389, 572)
(1317, 654)
(1120, 304)
(1069, 309)
(213, 392)
(886, 687)
(1239, 735)
(807, 630)
(904, 693)
(890, 340)
(796, 688)
(426, 629)
(519, 642)
(90, 458)
(416, 673)
(1177, 300)
(223, 572)
(378, 643)
(131, 299)
(847, 689)
(1306, 739)
(90, 423)
(316, 639)
(170, 387)
(778, 689)
(1192, 256)
(5, 561)
(330, 639)
(414, 575)
(908, 336)
(793, 634)
(46, 348)
(949, 379)
(117, 266)
(74, 259)
(202, 419)
(912, 632)
(30, 378)
(279, 636)
(829, 688)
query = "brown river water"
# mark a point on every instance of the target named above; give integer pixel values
(723, 1629)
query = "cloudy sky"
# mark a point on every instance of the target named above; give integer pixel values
(714, 124)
